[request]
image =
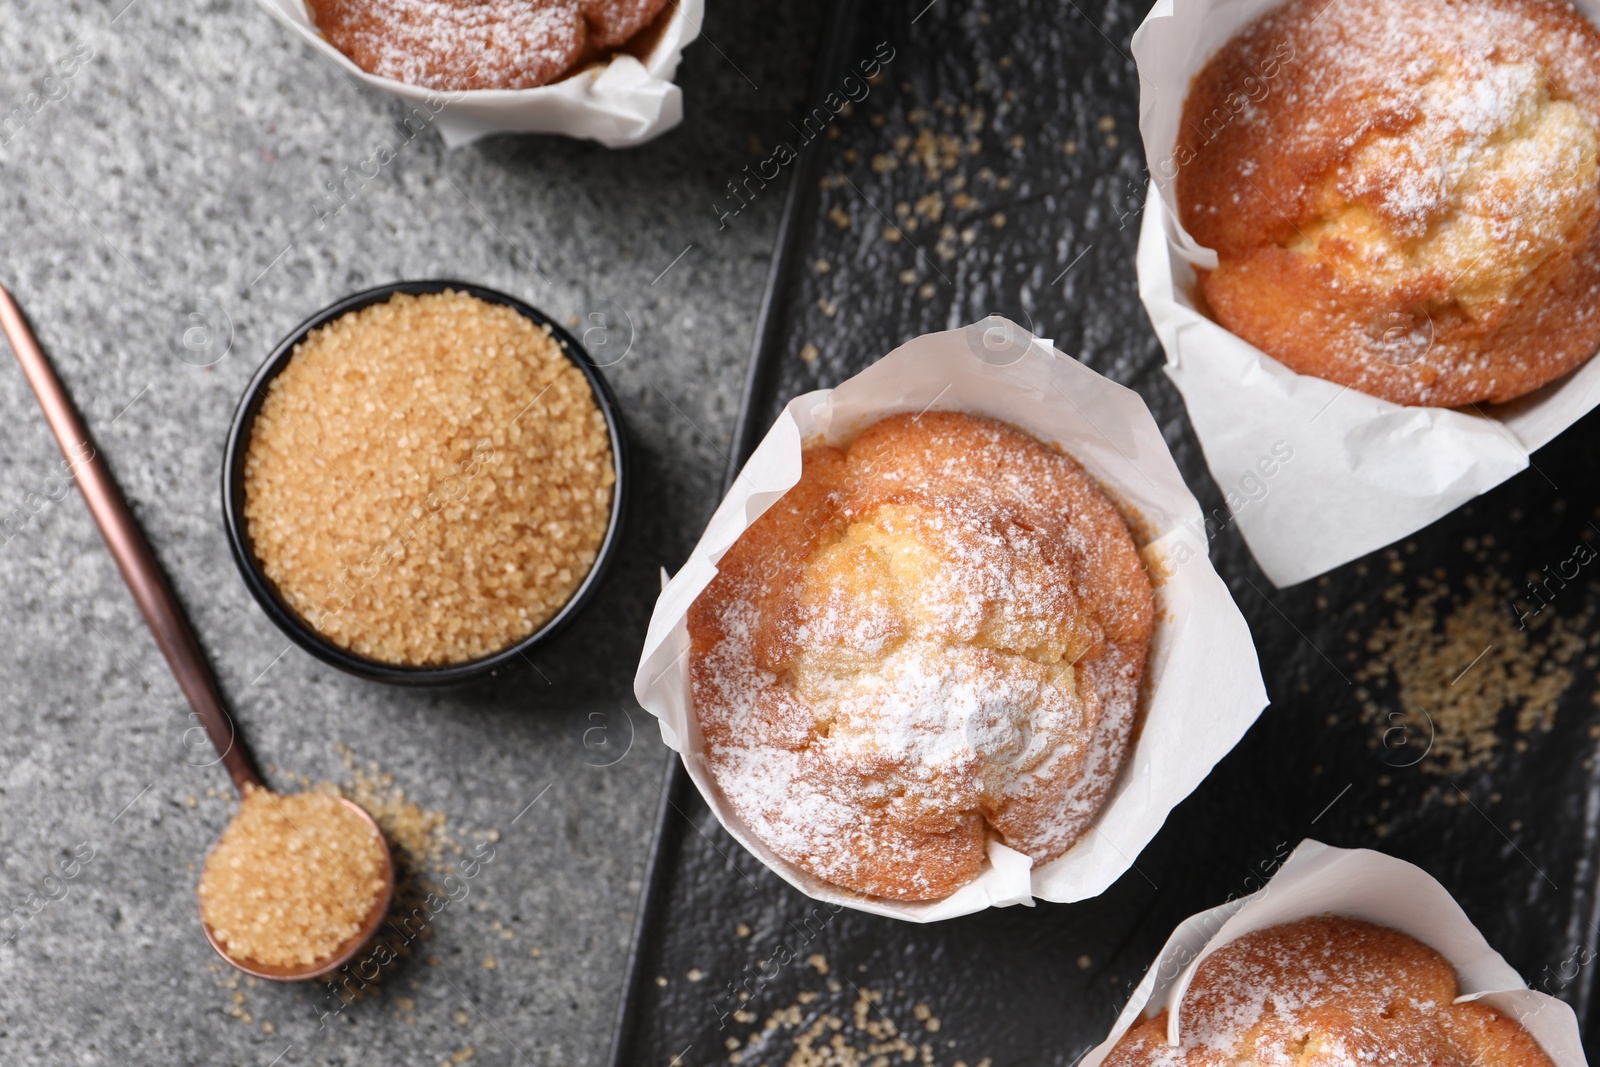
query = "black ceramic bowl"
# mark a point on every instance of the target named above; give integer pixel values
(266, 594)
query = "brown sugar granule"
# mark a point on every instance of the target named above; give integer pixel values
(292, 878)
(1459, 662)
(429, 479)
(802, 1036)
(420, 835)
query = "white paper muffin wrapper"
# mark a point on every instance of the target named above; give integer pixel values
(621, 103)
(1203, 686)
(1365, 472)
(1318, 879)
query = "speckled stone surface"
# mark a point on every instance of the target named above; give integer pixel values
(179, 170)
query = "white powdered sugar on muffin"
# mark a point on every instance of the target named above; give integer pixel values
(478, 44)
(934, 640)
(1418, 222)
(1328, 991)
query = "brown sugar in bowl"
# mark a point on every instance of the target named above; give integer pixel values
(461, 653)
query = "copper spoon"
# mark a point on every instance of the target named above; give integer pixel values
(166, 620)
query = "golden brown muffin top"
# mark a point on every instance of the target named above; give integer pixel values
(478, 44)
(1328, 992)
(1403, 194)
(936, 635)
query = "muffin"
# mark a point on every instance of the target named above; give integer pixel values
(1403, 196)
(935, 639)
(1328, 992)
(453, 45)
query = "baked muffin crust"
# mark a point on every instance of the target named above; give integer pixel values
(1328, 992)
(1404, 195)
(936, 636)
(478, 44)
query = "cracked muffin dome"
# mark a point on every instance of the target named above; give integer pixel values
(1328, 992)
(1404, 196)
(479, 44)
(934, 639)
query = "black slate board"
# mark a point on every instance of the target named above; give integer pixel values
(1515, 839)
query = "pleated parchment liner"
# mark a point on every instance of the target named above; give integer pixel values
(1365, 472)
(1318, 879)
(1204, 685)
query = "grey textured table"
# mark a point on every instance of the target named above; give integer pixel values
(180, 169)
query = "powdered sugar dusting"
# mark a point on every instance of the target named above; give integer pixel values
(952, 650)
(1330, 992)
(477, 44)
(1433, 165)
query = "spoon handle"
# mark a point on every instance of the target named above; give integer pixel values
(130, 549)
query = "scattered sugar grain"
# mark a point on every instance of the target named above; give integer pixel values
(1458, 662)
